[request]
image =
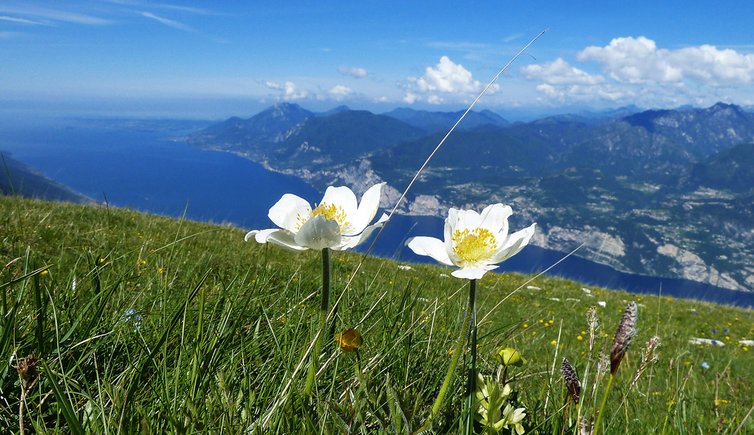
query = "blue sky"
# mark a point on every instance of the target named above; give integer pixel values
(216, 59)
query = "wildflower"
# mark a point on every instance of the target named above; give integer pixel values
(474, 242)
(338, 222)
(705, 365)
(349, 340)
(509, 356)
(579, 337)
(514, 417)
(571, 379)
(553, 342)
(44, 272)
(624, 334)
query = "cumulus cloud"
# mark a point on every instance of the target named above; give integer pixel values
(355, 72)
(340, 91)
(447, 77)
(635, 70)
(559, 72)
(410, 98)
(639, 60)
(444, 81)
(288, 90)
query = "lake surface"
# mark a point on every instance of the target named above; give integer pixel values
(145, 165)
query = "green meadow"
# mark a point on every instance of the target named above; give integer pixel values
(113, 321)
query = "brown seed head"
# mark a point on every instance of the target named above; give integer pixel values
(571, 379)
(27, 368)
(624, 334)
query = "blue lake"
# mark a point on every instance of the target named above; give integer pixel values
(145, 165)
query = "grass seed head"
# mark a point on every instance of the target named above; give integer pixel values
(571, 379)
(624, 334)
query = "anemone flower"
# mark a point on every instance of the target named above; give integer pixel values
(338, 222)
(474, 242)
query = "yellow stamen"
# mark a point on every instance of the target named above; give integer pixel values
(329, 212)
(473, 246)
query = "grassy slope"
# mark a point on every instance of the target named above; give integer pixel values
(221, 325)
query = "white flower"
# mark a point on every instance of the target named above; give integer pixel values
(338, 222)
(474, 242)
(514, 417)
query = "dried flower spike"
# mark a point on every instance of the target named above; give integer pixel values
(571, 379)
(624, 334)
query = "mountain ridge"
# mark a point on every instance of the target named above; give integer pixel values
(631, 186)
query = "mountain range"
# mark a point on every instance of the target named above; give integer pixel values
(657, 192)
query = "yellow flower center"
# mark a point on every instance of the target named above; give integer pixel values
(472, 246)
(328, 211)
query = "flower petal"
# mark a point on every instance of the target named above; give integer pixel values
(495, 218)
(467, 220)
(514, 244)
(318, 233)
(430, 247)
(281, 238)
(343, 198)
(370, 202)
(475, 272)
(348, 242)
(450, 226)
(289, 212)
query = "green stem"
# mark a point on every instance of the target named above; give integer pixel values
(602, 406)
(324, 305)
(457, 351)
(471, 381)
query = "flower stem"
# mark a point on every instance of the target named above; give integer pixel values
(602, 406)
(324, 305)
(457, 351)
(471, 381)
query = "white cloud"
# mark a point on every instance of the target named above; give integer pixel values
(447, 77)
(445, 81)
(16, 20)
(559, 72)
(289, 90)
(634, 70)
(168, 22)
(638, 60)
(54, 15)
(340, 91)
(355, 72)
(410, 98)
